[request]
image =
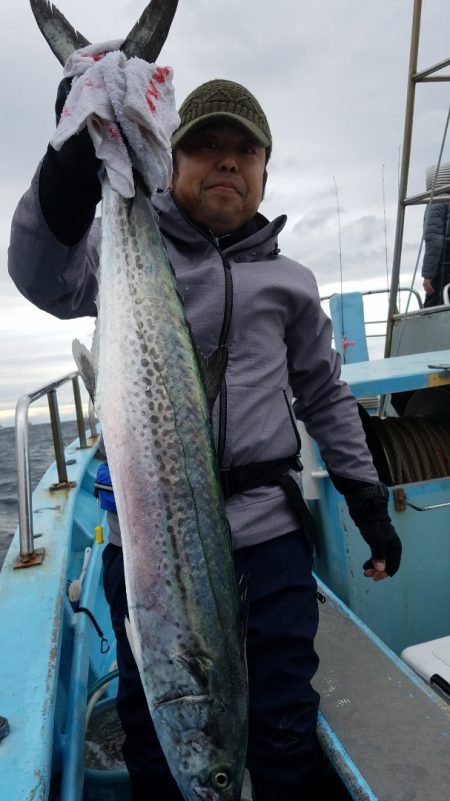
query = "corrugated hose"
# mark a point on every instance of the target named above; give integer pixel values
(415, 448)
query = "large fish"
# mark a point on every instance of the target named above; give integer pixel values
(151, 401)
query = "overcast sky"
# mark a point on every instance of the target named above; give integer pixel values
(331, 76)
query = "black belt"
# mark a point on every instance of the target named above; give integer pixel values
(247, 477)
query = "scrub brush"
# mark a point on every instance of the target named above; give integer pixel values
(74, 591)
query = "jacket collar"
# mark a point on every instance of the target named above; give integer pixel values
(261, 239)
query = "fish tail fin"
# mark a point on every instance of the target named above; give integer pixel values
(62, 38)
(145, 40)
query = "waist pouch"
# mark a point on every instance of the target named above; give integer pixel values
(103, 488)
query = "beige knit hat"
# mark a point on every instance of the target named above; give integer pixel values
(443, 177)
(223, 100)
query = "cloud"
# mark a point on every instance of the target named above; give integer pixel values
(37, 349)
(332, 79)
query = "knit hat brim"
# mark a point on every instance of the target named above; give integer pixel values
(221, 116)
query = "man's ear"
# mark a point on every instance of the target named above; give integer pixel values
(174, 170)
(264, 181)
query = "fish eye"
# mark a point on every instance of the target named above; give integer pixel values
(221, 779)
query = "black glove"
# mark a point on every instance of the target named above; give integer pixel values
(62, 93)
(76, 159)
(384, 543)
(368, 510)
(69, 187)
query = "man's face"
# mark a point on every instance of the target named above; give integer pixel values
(219, 177)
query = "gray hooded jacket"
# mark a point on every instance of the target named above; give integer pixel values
(267, 309)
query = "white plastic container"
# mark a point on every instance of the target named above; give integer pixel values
(431, 661)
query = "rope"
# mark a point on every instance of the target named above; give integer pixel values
(415, 448)
(105, 646)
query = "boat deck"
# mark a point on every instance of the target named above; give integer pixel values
(407, 731)
(398, 374)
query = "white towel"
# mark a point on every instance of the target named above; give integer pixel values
(108, 91)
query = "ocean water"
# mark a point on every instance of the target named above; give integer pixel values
(41, 457)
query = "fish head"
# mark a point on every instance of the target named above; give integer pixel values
(218, 786)
(209, 746)
(217, 770)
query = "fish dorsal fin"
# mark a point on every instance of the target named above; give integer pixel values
(86, 368)
(213, 369)
(147, 37)
(62, 38)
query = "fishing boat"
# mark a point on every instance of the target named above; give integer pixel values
(384, 675)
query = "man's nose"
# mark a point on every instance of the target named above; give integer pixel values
(228, 160)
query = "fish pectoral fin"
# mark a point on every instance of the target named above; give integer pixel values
(213, 369)
(184, 713)
(84, 362)
(130, 638)
(198, 666)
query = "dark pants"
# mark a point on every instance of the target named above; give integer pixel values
(438, 283)
(282, 623)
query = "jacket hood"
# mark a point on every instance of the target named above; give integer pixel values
(176, 225)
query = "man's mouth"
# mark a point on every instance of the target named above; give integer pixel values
(225, 186)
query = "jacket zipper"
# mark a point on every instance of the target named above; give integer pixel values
(228, 309)
(223, 395)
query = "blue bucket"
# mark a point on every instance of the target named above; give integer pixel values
(105, 776)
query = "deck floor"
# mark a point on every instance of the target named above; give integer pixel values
(395, 729)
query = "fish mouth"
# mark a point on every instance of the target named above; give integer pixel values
(204, 793)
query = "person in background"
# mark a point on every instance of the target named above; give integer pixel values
(239, 291)
(436, 260)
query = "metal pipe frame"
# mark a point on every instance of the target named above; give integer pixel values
(26, 536)
(414, 77)
(404, 171)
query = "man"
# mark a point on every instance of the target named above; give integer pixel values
(240, 291)
(436, 227)
(436, 260)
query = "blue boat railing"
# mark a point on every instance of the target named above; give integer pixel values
(369, 333)
(29, 555)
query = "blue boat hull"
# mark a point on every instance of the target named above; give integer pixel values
(59, 669)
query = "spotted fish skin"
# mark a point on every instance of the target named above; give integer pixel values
(181, 590)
